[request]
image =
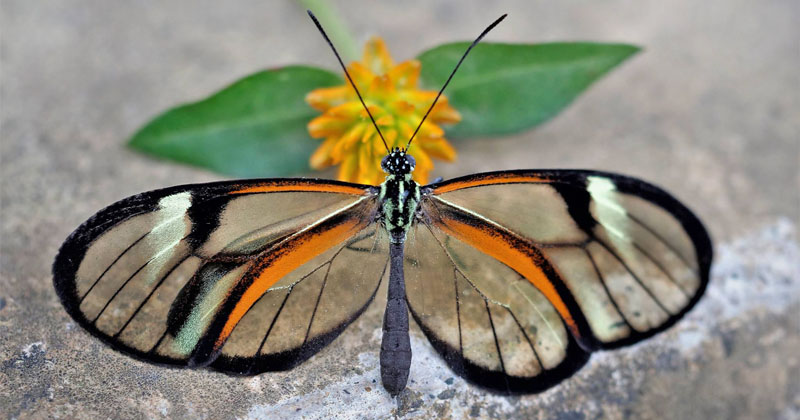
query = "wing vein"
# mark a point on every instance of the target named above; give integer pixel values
(319, 295)
(605, 288)
(647, 255)
(527, 338)
(149, 295)
(138, 270)
(455, 265)
(664, 241)
(485, 219)
(652, 231)
(272, 324)
(155, 346)
(663, 270)
(635, 277)
(111, 265)
(458, 312)
(496, 341)
(538, 312)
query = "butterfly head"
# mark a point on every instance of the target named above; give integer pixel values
(398, 162)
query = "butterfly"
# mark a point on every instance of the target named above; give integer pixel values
(515, 277)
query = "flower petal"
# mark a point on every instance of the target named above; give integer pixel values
(419, 98)
(424, 166)
(348, 171)
(365, 159)
(429, 129)
(348, 110)
(405, 129)
(325, 98)
(381, 88)
(354, 134)
(406, 74)
(444, 113)
(326, 125)
(438, 148)
(361, 75)
(321, 158)
(347, 143)
(385, 120)
(369, 171)
(391, 140)
(376, 56)
(403, 108)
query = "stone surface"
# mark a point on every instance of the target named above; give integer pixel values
(710, 111)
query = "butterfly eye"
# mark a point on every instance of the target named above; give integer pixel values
(385, 163)
(412, 163)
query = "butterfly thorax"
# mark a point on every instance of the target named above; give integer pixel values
(399, 194)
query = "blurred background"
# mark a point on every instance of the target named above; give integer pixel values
(709, 110)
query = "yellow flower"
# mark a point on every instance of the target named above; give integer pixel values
(390, 91)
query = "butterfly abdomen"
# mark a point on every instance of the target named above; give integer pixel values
(395, 357)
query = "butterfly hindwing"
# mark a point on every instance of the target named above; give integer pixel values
(166, 275)
(307, 309)
(489, 323)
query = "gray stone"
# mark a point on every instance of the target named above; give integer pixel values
(710, 110)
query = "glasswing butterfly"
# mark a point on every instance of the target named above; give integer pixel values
(515, 277)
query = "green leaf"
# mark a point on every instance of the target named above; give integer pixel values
(254, 127)
(506, 88)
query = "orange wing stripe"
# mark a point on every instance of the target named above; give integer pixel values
(519, 255)
(291, 255)
(498, 179)
(300, 185)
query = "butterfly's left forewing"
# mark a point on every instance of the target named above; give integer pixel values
(245, 276)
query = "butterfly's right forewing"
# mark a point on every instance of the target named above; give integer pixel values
(512, 269)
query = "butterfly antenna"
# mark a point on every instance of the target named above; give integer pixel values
(322, 31)
(478, 39)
